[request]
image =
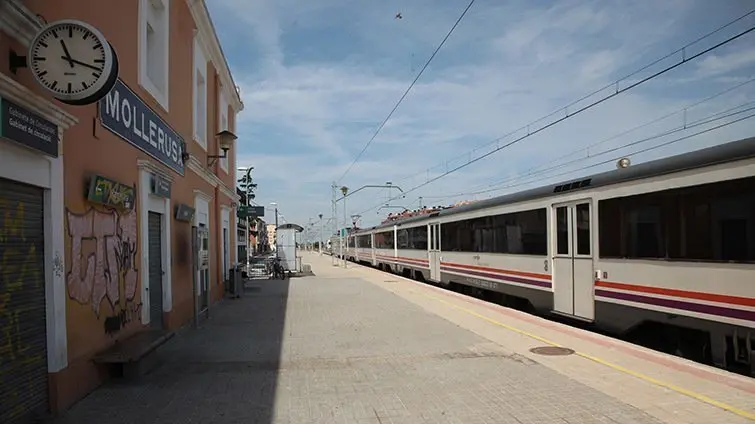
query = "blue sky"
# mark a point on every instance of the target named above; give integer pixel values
(318, 77)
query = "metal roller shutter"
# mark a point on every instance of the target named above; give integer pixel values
(155, 271)
(23, 328)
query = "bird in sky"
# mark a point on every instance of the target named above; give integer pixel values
(398, 15)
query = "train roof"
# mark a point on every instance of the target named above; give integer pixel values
(722, 153)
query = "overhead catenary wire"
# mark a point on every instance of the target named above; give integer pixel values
(515, 181)
(615, 84)
(645, 150)
(684, 59)
(682, 110)
(539, 175)
(651, 148)
(403, 96)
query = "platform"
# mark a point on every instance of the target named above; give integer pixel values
(358, 345)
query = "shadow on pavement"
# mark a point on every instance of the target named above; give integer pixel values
(226, 371)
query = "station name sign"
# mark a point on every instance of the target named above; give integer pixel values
(126, 115)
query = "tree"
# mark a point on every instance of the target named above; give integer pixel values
(247, 184)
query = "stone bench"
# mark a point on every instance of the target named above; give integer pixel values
(129, 358)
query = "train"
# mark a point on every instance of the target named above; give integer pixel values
(662, 251)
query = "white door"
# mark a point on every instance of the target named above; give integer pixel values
(226, 254)
(573, 278)
(372, 250)
(433, 250)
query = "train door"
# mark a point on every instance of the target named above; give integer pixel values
(373, 258)
(433, 250)
(572, 260)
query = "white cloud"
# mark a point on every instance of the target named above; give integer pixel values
(307, 116)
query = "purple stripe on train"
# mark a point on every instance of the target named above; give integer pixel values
(497, 277)
(405, 262)
(678, 304)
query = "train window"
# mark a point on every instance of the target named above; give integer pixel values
(710, 222)
(418, 238)
(562, 230)
(522, 233)
(384, 240)
(364, 241)
(583, 229)
(402, 236)
(389, 240)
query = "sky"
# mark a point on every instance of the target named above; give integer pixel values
(317, 78)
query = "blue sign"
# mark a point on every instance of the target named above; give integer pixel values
(126, 115)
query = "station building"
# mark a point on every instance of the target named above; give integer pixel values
(117, 217)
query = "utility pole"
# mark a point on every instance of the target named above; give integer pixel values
(335, 222)
(345, 236)
(308, 242)
(276, 231)
(319, 243)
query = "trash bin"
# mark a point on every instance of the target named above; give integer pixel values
(234, 283)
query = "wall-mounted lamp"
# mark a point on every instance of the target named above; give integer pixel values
(225, 141)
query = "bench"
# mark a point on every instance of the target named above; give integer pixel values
(128, 358)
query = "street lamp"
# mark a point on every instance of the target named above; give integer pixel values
(319, 243)
(275, 205)
(248, 188)
(225, 140)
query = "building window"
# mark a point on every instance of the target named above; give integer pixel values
(154, 41)
(200, 94)
(710, 223)
(223, 120)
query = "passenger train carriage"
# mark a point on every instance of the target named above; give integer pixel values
(667, 245)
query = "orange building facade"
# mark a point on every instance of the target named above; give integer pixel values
(133, 218)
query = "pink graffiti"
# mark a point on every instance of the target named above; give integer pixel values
(111, 264)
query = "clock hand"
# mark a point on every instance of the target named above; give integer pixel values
(67, 54)
(72, 61)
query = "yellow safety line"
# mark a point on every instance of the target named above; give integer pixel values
(683, 391)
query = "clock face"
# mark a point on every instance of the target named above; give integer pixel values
(73, 61)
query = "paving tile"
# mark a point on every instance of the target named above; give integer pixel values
(342, 350)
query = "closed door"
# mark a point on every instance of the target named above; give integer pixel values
(23, 325)
(573, 279)
(155, 270)
(225, 254)
(204, 270)
(433, 250)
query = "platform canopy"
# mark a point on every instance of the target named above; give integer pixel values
(288, 226)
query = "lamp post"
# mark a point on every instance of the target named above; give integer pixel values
(344, 237)
(319, 243)
(274, 204)
(248, 199)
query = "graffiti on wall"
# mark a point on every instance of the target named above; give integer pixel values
(103, 272)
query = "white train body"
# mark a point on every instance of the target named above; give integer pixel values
(670, 241)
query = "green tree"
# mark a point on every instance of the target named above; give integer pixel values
(247, 184)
